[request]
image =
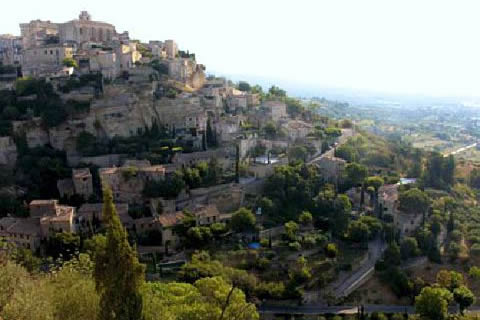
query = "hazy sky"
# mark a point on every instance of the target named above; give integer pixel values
(418, 46)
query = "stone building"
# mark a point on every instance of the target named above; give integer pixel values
(36, 33)
(164, 223)
(127, 182)
(11, 49)
(388, 204)
(89, 212)
(187, 71)
(23, 232)
(297, 129)
(331, 168)
(82, 182)
(276, 110)
(46, 59)
(209, 214)
(237, 102)
(84, 29)
(223, 157)
(47, 217)
(171, 49)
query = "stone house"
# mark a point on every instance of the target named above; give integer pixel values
(45, 59)
(187, 71)
(237, 102)
(11, 49)
(88, 212)
(82, 182)
(224, 158)
(23, 232)
(297, 129)
(331, 168)
(355, 196)
(227, 198)
(388, 204)
(127, 182)
(171, 49)
(253, 99)
(164, 223)
(209, 214)
(46, 218)
(276, 110)
(36, 32)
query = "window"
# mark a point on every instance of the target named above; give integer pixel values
(51, 51)
(46, 51)
(81, 30)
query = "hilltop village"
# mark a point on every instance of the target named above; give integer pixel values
(133, 115)
(215, 179)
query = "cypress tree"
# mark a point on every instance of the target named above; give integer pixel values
(118, 273)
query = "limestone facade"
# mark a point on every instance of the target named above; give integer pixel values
(36, 32)
(297, 129)
(127, 182)
(331, 168)
(84, 29)
(276, 110)
(82, 182)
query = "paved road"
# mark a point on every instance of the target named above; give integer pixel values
(375, 250)
(314, 309)
(346, 133)
(460, 150)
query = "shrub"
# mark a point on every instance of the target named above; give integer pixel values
(295, 246)
(331, 250)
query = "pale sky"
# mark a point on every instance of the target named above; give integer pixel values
(404, 46)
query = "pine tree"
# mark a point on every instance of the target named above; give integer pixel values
(211, 135)
(237, 163)
(118, 274)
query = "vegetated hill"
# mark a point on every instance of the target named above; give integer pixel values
(383, 155)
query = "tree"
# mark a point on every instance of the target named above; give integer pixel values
(340, 216)
(244, 86)
(358, 231)
(450, 279)
(475, 178)
(297, 153)
(409, 248)
(331, 250)
(376, 182)
(464, 297)
(243, 220)
(270, 130)
(305, 218)
(208, 298)
(414, 201)
(277, 92)
(432, 303)
(291, 229)
(346, 152)
(63, 244)
(118, 274)
(211, 137)
(355, 174)
(70, 62)
(392, 255)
